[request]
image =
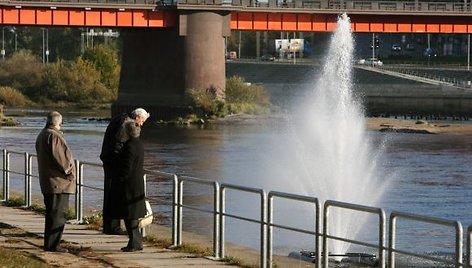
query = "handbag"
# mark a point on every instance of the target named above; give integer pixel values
(147, 219)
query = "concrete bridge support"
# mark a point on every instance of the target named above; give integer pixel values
(159, 66)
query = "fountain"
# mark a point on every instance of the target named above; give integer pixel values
(332, 146)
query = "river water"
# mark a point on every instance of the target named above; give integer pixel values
(431, 174)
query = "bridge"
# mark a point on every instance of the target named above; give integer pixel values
(171, 47)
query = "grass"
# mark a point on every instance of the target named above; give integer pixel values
(13, 259)
(18, 201)
(7, 121)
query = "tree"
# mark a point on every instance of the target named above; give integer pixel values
(105, 59)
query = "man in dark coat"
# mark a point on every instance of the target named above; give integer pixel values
(110, 149)
(127, 189)
(57, 179)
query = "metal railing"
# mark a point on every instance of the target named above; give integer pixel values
(270, 225)
(418, 218)
(381, 226)
(266, 212)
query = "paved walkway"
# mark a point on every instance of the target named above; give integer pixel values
(98, 250)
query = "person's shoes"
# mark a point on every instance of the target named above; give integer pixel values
(58, 249)
(127, 249)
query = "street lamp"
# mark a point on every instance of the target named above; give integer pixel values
(3, 44)
(45, 45)
(13, 31)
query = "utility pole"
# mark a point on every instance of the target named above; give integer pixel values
(3, 43)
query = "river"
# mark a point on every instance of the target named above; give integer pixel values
(431, 174)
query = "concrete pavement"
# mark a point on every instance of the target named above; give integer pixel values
(105, 248)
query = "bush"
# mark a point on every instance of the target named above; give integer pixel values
(22, 71)
(206, 100)
(12, 97)
(76, 81)
(106, 61)
(241, 97)
(239, 91)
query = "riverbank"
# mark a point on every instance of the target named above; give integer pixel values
(419, 126)
(372, 123)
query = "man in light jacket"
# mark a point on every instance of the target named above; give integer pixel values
(57, 178)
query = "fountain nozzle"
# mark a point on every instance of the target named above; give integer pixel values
(349, 257)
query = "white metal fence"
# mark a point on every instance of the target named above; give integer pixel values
(265, 220)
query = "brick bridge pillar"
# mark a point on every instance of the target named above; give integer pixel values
(159, 66)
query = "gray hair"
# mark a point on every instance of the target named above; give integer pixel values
(53, 119)
(141, 113)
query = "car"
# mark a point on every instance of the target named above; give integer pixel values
(370, 62)
(396, 47)
(410, 47)
(267, 57)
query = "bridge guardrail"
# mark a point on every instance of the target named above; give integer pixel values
(454, 6)
(266, 213)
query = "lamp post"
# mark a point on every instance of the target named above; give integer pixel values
(3, 44)
(44, 53)
(47, 45)
(13, 31)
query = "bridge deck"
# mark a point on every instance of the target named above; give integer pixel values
(270, 15)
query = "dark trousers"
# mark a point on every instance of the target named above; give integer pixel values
(57, 206)
(135, 238)
(109, 225)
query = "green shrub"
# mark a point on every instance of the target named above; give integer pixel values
(12, 97)
(23, 71)
(76, 81)
(206, 100)
(239, 91)
(241, 97)
(105, 58)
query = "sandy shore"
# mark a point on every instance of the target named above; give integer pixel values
(419, 126)
(373, 123)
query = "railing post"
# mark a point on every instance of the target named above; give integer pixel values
(459, 245)
(143, 230)
(26, 167)
(216, 220)
(175, 214)
(325, 236)
(382, 238)
(270, 228)
(222, 222)
(263, 229)
(391, 241)
(6, 177)
(79, 196)
(469, 247)
(30, 175)
(4, 172)
(319, 234)
(179, 212)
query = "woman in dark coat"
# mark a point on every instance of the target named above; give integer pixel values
(128, 190)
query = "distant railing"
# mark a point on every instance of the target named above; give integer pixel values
(451, 81)
(266, 212)
(455, 6)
